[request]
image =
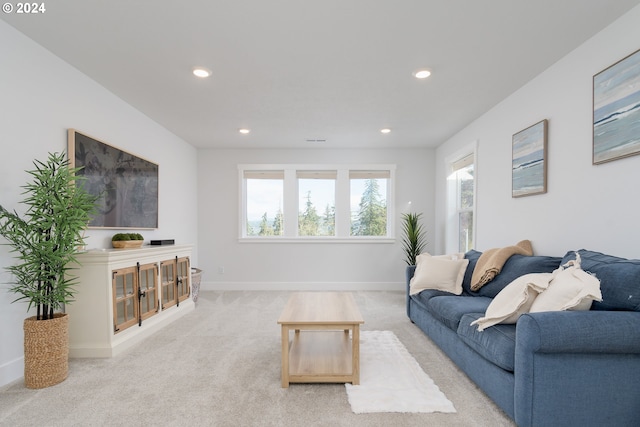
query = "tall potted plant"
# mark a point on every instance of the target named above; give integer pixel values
(45, 240)
(414, 238)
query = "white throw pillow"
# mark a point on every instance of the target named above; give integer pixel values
(442, 272)
(514, 300)
(571, 289)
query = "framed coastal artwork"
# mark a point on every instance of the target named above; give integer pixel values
(127, 185)
(616, 110)
(529, 161)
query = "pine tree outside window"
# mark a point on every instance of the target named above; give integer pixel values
(369, 203)
(316, 203)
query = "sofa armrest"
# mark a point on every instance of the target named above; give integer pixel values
(579, 332)
(577, 368)
(409, 271)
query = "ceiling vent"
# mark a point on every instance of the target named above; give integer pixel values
(316, 140)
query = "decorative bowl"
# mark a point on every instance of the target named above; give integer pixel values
(126, 244)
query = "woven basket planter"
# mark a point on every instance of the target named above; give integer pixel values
(46, 351)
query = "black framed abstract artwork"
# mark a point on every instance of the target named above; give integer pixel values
(529, 161)
(127, 185)
(616, 110)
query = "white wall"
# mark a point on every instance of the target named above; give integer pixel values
(303, 265)
(586, 206)
(40, 97)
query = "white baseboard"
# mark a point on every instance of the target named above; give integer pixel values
(302, 286)
(11, 371)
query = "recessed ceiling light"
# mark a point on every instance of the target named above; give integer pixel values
(385, 130)
(422, 74)
(201, 72)
(244, 131)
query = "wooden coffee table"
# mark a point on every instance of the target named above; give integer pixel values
(326, 342)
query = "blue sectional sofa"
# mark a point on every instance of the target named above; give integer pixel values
(561, 368)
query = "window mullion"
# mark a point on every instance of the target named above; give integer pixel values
(391, 203)
(243, 203)
(290, 203)
(343, 206)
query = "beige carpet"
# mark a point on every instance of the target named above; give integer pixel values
(220, 366)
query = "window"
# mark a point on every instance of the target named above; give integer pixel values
(369, 202)
(461, 203)
(316, 202)
(265, 193)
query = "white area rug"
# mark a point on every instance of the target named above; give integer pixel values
(391, 380)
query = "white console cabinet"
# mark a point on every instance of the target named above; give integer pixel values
(125, 295)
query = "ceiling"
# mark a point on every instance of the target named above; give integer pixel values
(334, 70)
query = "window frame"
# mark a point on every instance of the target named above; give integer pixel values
(327, 175)
(342, 201)
(453, 209)
(261, 173)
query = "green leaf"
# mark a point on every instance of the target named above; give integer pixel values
(414, 239)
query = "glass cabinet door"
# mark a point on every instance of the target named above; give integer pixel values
(125, 296)
(184, 278)
(168, 281)
(148, 285)
(141, 291)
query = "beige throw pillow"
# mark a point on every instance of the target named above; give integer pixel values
(571, 289)
(442, 272)
(514, 300)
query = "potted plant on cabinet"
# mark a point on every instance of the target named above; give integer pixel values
(45, 239)
(127, 240)
(414, 239)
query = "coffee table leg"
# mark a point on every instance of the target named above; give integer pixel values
(285, 356)
(355, 355)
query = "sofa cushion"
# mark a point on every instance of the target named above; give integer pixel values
(424, 296)
(516, 266)
(450, 309)
(473, 257)
(492, 260)
(444, 272)
(619, 279)
(496, 344)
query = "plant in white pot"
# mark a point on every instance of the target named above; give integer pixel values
(45, 240)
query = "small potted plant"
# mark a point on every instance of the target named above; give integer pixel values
(45, 239)
(414, 239)
(127, 240)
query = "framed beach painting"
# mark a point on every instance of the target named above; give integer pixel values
(127, 185)
(529, 161)
(616, 110)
